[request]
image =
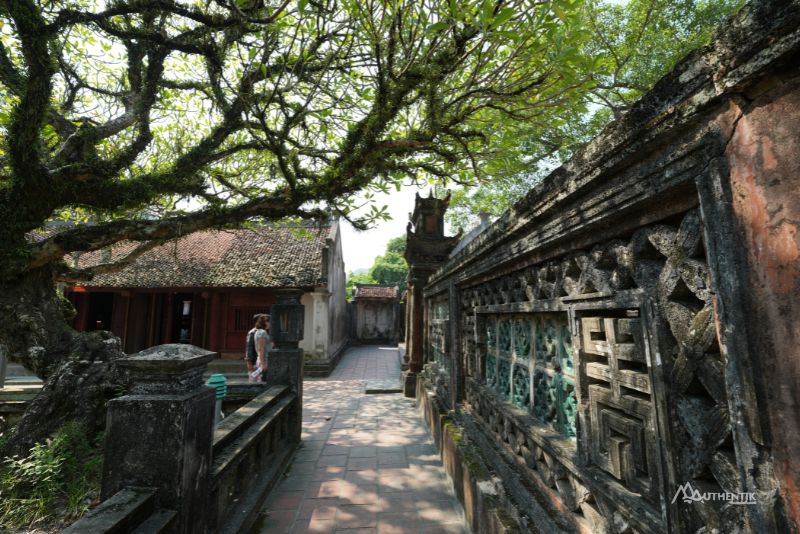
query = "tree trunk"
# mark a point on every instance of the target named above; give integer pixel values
(78, 368)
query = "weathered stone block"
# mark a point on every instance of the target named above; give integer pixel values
(160, 436)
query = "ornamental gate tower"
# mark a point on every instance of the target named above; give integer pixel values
(426, 249)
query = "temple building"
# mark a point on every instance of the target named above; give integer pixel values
(204, 289)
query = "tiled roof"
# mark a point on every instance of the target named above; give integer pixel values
(263, 257)
(366, 291)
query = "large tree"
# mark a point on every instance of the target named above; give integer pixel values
(391, 266)
(151, 119)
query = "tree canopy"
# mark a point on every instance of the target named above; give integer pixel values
(152, 119)
(155, 118)
(391, 267)
(632, 45)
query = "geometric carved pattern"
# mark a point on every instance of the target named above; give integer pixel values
(619, 360)
(491, 335)
(522, 386)
(543, 397)
(522, 338)
(543, 385)
(554, 401)
(504, 378)
(554, 377)
(701, 423)
(491, 371)
(546, 343)
(438, 344)
(468, 348)
(504, 336)
(666, 263)
(567, 357)
(621, 412)
(546, 467)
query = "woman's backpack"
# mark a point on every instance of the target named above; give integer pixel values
(252, 355)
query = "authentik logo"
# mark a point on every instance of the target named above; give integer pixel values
(690, 494)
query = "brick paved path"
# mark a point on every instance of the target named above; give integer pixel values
(367, 464)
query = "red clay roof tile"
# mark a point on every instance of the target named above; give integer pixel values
(262, 257)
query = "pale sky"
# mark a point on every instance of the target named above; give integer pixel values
(361, 248)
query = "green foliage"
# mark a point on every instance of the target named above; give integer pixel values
(396, 245)
(357, 278)
(389, 268)
(235, 110)
(631, 46)
(57, 482)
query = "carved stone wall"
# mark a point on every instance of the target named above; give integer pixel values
(599, 336)
(563, 372)
(438, 349)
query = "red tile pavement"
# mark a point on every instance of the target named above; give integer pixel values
(367, 463)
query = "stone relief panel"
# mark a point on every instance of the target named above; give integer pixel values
(531, 361)
(621, 411)
(672, 265)
(438, 349)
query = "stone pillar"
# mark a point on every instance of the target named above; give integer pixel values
(426, 249)
(160, 435)
(414, 344)
(321, 328)
(286, 358)
(408, 326)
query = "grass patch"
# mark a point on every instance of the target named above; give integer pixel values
(57, 483)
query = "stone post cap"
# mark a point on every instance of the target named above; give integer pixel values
(167, 369)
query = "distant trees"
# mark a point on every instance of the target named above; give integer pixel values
(354, 278)
(390, 268)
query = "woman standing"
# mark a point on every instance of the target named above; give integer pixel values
(258, 344)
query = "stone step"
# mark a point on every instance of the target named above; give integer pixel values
(17, 393)
(377, 387)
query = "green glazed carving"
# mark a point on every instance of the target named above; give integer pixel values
(522, 338)
(504, 335)
(504, 378)
(522, 387)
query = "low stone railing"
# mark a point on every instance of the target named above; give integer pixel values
(129, 510)
(251, 446)
(167, 469)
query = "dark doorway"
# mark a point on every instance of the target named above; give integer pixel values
(101, 308)
(183, 311)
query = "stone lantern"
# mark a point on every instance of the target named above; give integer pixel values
(286, 319)
(285, 360)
